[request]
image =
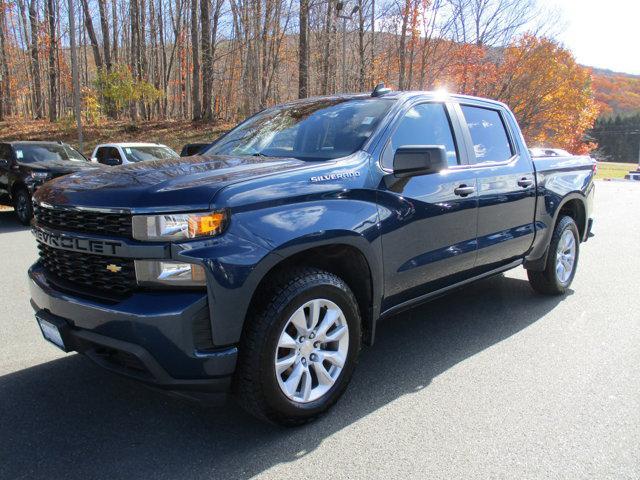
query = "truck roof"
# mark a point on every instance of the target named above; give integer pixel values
(406, 95)
(130, 144)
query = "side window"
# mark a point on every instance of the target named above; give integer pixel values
(5, 152)
(424, 124)
(101, 154)
(115, 153)
(488, 133)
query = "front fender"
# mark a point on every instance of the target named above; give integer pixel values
(258, 240)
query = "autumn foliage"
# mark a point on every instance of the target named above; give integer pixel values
(221, 60)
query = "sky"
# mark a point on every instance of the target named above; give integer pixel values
(604, 34)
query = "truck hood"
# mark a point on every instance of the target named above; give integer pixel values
(182, 184)
(59, 167)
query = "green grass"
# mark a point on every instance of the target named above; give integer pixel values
(614, 170)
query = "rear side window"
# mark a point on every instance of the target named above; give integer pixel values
(488, 133)
(423, 124)
(101, 154)
(5, 153)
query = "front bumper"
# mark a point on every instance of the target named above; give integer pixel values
(160, 338)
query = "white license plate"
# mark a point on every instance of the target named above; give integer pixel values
(51, 333)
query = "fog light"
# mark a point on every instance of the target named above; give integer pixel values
(169, 273)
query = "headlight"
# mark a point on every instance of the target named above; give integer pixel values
(169, 273)
(178, 226)
(39, 175)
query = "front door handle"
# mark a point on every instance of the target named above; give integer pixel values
(464, 190)
(525, 182)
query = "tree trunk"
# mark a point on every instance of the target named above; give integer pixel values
(53, 47)
(207, 61)
(195, 86)
(5, 86)
(326, 54)
(114, 21)
(134, 19)
(88, 22)
(361, 47)
(104, 25)
(303, 47)
(35, 62)
(75, 75)
(402, 54)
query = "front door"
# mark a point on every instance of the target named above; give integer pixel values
(428, 222)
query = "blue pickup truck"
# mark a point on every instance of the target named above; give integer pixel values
(262, 265)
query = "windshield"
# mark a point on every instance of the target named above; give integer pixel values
(38, 152)
(152, 152)
(317, 130)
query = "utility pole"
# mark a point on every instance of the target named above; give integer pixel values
(339, 7)
(74, 72)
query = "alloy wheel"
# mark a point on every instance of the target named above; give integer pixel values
(312, 350)
(565, 256)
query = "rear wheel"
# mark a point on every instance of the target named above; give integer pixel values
(22, 205)
(298, 353)
(562, 260)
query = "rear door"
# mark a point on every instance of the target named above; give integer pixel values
(428, 223)
(506, 185)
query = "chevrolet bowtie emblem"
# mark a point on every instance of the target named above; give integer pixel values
(113, 268)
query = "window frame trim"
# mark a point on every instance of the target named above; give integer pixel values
(506, 125)
(457, 132)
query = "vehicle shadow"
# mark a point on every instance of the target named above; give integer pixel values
(9, 222)
(67, 418)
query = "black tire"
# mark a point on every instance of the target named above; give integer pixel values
(547, 282)
(23, 206)
(255, 384)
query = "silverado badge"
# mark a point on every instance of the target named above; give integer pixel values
(114, 268)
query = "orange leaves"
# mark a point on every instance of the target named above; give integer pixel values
(616, 92)
(551, 95)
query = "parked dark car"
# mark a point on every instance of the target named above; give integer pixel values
(193, 149)
(24, 166)
(266, 262)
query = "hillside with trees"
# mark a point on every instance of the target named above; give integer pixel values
(617, 130)
(217, 61)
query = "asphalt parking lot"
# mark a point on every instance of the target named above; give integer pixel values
(493, 381)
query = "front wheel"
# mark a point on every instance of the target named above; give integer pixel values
(298, 353)
(562, 260)
(22, 205)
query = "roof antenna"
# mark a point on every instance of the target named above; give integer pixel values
(380, 90)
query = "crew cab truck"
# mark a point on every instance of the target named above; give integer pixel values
(25, 165)
(263, 264)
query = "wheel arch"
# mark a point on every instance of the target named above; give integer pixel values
(572, 205)
(342, 258)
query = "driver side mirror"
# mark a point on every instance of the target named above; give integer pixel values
(412, 160)
(4, 163)
(112, 161)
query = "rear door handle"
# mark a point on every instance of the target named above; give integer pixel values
(525, 182)
(464, 190)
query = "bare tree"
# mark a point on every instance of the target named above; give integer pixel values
(195, 86)
(88, 22)
(5, 85)
(303, 50)
(75, 75)
(35, 61)
(49, 13)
